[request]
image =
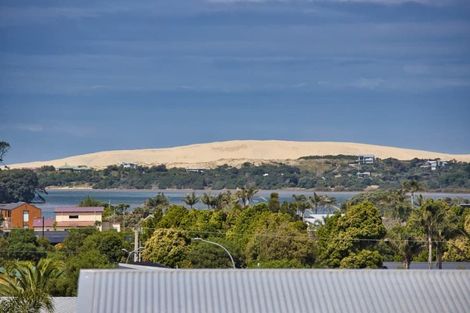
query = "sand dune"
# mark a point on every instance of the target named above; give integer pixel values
(236, 152)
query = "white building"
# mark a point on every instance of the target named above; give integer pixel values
(77, 217)
(366, 159)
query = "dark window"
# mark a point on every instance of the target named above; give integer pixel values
(73, 216)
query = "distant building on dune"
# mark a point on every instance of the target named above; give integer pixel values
(18, 215)
(434, 164)
(71, 169)
(366, 159)
(129, 165)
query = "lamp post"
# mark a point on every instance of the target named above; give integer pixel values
(129, 253)
(219, 245)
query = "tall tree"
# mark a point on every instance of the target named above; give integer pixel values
(4, 147)
(437, 220)
(159, 201)
(412, 186)
(28, 286)
(404, 242)
(246, 195)
(209, 200)
(191, 199)
(18, 185)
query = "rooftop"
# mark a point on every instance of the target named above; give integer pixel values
(10, 206)
(274, 291)
(79, 210)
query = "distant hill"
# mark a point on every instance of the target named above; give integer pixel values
(237, 152)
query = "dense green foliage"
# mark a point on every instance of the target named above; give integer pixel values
(369, 229)
(28, 287)
(326, 173)
(350, 240)
(18, 185)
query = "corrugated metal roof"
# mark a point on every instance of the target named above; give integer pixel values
(274, 291)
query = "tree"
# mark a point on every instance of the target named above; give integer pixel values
(273, 204)
(404, 242)
(362, 259)
(159, 201)
(301, 204)
(67, 284)
(191, 199)
(91, 202)
(173, 217)
(412, 186)
(23, 245)
(438, 221)
(74, 241)
(29, 286)
(18, 185)
(205, 255)
(275, 237)
(347, 235)
(4, 147)
(168, 247)
(108, 243)
(246, 194)
(208, 200)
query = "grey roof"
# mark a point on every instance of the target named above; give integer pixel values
(274, 291)
(65, 305)
(10, 206)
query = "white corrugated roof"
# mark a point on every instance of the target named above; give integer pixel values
(274, 291)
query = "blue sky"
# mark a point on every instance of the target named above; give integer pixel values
(84, 76)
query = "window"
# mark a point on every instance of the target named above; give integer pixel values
(25, 219)
(73, 217)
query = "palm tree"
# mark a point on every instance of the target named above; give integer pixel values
(27, 285)
(191, 199)
(437, 220)
(207, 199)
(412, 186)
(246, 195)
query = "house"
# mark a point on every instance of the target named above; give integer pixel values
(71, 169)
(129, 165)
(363, 174)
(78, 217)
(18, 215)
(273, 291)
(366, 159)
(434, 164)
(46, 224)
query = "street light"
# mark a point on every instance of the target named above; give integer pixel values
(129, 253)
(219, 245)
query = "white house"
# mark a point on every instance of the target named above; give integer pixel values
(366, 159)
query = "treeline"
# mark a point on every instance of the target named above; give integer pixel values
(336, 173)
(368, 230)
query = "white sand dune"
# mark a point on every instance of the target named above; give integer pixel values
(236, 152)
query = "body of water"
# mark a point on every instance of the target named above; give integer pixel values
(136, 198)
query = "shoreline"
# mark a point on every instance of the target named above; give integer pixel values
(296, 190)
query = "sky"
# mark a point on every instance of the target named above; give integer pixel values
(86, 76)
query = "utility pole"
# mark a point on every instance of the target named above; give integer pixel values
(136, 245)
(43, 227)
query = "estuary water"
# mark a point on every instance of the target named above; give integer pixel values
(135, 198)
